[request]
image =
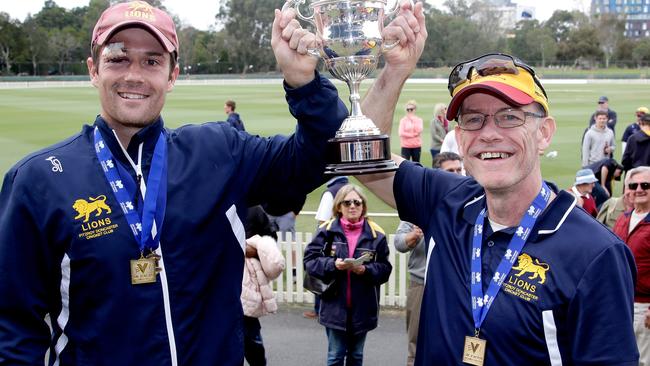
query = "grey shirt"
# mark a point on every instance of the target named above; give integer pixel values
(418, 258)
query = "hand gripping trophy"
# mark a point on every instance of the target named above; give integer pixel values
(350, 45)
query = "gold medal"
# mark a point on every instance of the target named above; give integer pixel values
(143, 270)
(474, 351)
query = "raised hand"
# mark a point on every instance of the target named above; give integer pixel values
(290, 44)
(409, 29)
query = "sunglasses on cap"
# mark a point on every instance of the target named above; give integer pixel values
(348, 203)
(644, 186)
(490, 64)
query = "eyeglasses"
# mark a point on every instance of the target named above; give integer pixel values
(490, 64)
(505, 118)
(644, 186)
(602, 102)
(348, 203)
(410, 109)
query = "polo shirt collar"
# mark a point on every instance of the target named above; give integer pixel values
(550, 220)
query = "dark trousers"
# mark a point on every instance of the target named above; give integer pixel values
(253, 346)
(411, 153)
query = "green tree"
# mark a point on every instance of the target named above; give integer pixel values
(11, 40)
(248, 25)
(37, 43)
(641, 53)
(63, 42)
(623, 53)
(533, 43)
(581, 48)
(562, 22)
(610, 32)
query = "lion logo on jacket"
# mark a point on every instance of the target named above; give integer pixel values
(85, 208)
(525, 265)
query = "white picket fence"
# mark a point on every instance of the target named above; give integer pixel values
(288, 288)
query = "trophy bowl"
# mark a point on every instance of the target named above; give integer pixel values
(350, 38)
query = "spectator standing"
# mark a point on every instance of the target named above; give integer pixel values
(605, 171)
(598, 142)
(634, 228)
(603, 105)
(352, 309)
(94, 256)
(410, 133)
(633, 127)
(233, 117)
(410, 239)
(582, 188)
(263, 263)
(614, 207)
(323, 214)
(637, 152)
(439, 125)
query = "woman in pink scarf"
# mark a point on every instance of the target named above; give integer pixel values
(352, 251)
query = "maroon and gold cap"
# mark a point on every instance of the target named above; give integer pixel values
(137, 13)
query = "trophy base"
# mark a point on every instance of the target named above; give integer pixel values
(359, 155)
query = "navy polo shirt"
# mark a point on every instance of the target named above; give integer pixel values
(568, 300)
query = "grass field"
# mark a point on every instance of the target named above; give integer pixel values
(34, 118)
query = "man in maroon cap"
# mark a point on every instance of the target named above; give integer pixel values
(124, 244)
(516, 274)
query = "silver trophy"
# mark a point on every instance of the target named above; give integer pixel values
(351, 43)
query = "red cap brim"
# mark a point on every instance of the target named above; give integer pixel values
(169, 46)
(505, 92)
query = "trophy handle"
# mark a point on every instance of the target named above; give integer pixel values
(389, 15)
(295, 4)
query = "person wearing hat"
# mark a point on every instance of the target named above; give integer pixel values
(516, 274)
(603, 105)
(637, 152)
(582, 188)
(130, 249)
(633, 127)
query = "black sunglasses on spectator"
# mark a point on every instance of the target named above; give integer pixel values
(410, 109)
(348, 203)
(644, 186)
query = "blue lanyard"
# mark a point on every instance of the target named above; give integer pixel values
(481, 303)
(124, 188)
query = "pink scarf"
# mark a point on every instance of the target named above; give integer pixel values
(352, 231)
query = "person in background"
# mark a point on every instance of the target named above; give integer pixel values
(582, 188)
(606, 171)
(324, 213)
(598, 142)
(614, 207)
(352, 310)
(633, 127)
(410, 239)
(439, 126)
(410, 133)
(449, 162)
(263, 263)
(637, 152)
(233, 117)
(634, 228)
(603, 105)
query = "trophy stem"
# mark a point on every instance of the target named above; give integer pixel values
(355, 98)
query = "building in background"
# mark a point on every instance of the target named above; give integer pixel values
(635, 12)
